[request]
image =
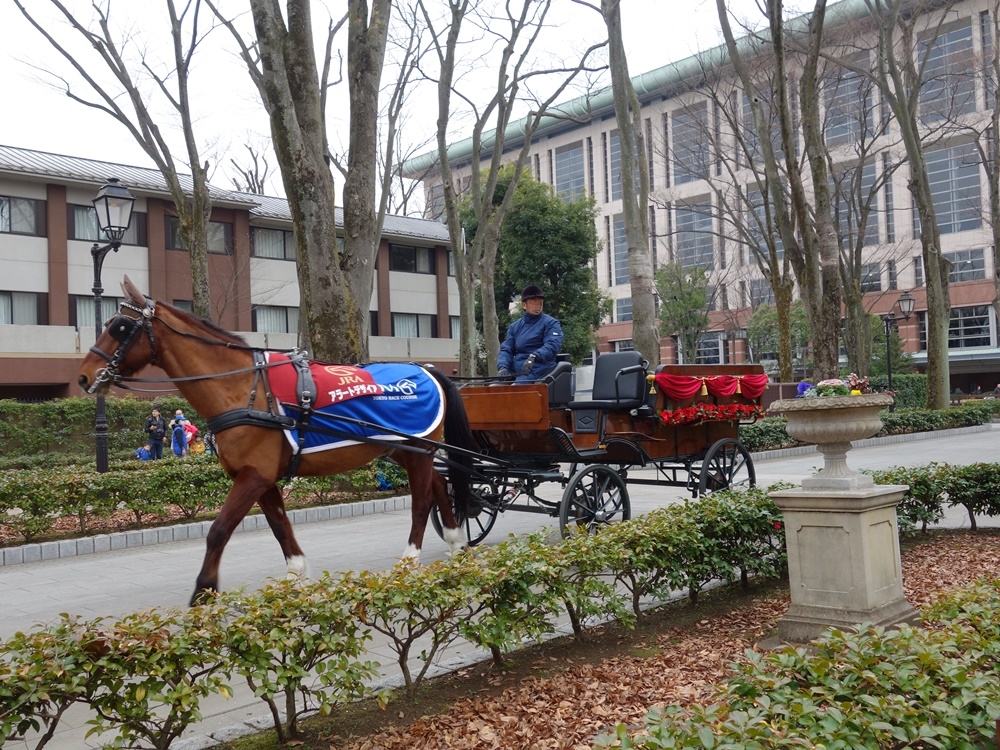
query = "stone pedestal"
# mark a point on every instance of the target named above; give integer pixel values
(841, 532)
(843, 560)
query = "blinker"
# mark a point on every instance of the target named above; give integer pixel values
(121, 327)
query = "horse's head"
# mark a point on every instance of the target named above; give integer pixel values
(125, 345)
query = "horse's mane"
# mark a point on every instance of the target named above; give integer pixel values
(207, 325)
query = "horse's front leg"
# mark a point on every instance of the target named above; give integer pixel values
(273, 506)
(248, 487)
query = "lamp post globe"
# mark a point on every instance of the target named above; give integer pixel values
(905, 302)
(113, 206)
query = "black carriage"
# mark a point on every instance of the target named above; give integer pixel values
(681, 421)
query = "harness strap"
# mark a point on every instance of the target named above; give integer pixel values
(305, 391)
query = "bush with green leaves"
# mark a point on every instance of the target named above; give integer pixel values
(300, 648)
(923, 502)
(876, 688)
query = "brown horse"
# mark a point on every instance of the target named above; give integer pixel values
(228, 383)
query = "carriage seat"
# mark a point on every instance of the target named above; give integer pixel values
(619, 383)
(560, 383)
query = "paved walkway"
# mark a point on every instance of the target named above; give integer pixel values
(162, 574)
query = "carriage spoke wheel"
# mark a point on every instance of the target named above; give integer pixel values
(727, 464)
(483, 512)
(595, 496)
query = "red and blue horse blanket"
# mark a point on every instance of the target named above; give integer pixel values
(397, 396)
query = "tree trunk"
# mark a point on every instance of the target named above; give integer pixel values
(365, 57)
(290, 86)
(635, 191)
(783, 292)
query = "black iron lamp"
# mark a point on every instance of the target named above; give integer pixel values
(113, 206)
(889, 320)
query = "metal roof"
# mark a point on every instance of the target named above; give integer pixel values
(41, 166)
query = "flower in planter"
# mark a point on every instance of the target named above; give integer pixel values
(829, 387)
(860, 385)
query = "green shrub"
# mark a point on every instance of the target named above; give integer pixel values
(766, 434)
(923, 502)
(910, 390)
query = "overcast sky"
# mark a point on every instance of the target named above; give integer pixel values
(38, 116)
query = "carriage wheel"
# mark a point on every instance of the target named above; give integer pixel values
(483, 512)
(595, 496)
(727, 464)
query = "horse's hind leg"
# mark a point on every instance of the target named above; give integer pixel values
(453, 533)
(273, 506)
(247, 487)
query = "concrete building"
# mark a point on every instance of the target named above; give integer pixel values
(705, 204)
(47, 227)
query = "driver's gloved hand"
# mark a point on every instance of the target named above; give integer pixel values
(528, 364)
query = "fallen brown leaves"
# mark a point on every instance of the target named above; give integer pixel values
(566, 710)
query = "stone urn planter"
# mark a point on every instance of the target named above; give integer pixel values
(832, 422)
(841, 533)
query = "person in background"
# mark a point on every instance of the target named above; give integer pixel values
(996, 391)
(197, 446)
(178, 437)
(145, 453)
(529, 350)
(156, 433)
(977, 390)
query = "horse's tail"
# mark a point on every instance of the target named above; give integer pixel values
(458, 433)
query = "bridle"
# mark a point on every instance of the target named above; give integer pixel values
(124, 329)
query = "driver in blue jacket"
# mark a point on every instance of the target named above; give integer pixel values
(533, 341)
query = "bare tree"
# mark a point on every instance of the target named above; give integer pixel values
(902, 55)
(252, 177)
(521, 22)
(335, 284)
(134, 110)
(814, 258)
(635, 186)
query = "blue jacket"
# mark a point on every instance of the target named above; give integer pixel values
(540, 335)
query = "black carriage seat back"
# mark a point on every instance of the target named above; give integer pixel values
(619, 383)
(560, 383)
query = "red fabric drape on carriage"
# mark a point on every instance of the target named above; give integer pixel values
(680, 387)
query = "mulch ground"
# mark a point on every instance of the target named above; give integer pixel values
(675, 667)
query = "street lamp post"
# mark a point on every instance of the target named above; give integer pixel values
(890, 319)
(113, 206)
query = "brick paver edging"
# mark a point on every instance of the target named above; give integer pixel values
(41, 551)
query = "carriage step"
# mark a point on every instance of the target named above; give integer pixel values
(565, 445)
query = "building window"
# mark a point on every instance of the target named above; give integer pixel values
(411, 259)
(871, 277)
(185, 305)
(615, 165)
(848, 107)
(22, 216)
(694, 236)
(455, 326)
(890, 222)
(414, 326)
(893, 280)
(81, 310)
(968, 327)
(760, 226)
(272, 243)
(918, 270)
(712, 349)
(623, 345)
(434, 209)
(949, 85)
(966, 265)
(590, 164)
(21, 308)
(623, 310)
(220, 236)
(760, 293)
(451, 263)
(83, 226)
(954, 183)
(857, 201)
(570, 174)
(273, 319)
(620, 267)
(690, 149)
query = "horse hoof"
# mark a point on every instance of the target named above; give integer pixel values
(411, 554)
(203, 596)
(455, 539)
(297, 567)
